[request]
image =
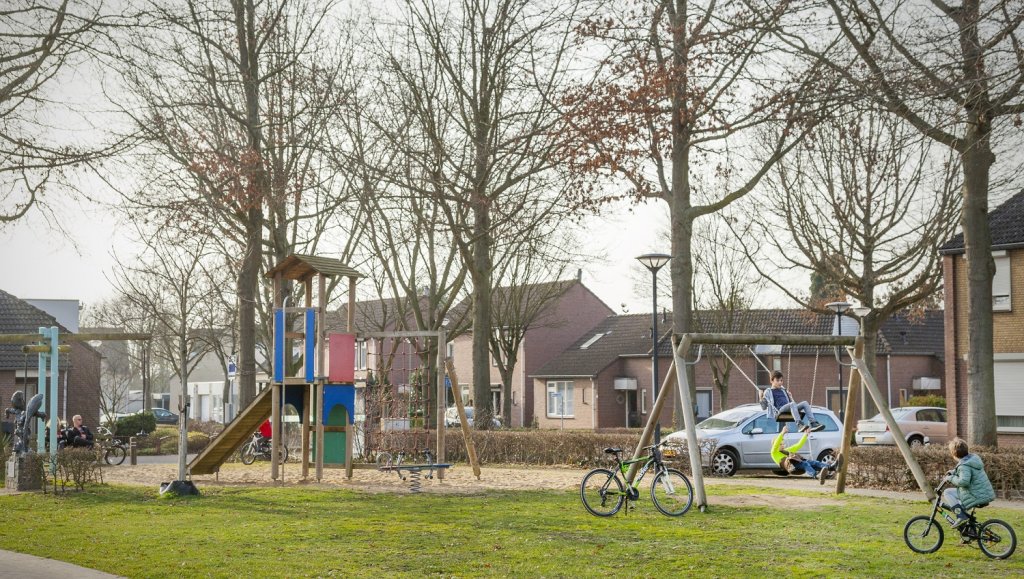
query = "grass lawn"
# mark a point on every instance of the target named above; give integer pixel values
(289, 532)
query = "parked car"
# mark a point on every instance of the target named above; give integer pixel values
(744, 435)
(165, 416)
(920, 424)
(451, 417)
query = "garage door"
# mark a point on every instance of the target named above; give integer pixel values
(1010, 394)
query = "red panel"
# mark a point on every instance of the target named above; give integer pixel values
(342, 358)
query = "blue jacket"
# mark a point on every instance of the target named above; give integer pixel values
(972, 483)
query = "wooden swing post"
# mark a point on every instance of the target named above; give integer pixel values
(852, 401)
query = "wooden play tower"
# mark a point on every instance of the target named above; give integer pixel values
(324, 398)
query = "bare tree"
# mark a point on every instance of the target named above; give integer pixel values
(682, 87)
(523, 301)
(478, 81)
(39, 42)
(865, 204)
(234, 103)
(954, 72)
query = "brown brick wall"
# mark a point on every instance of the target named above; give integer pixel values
(1007, 332)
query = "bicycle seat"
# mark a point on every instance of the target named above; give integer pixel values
(613, 450)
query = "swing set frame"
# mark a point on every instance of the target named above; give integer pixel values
(859, 376)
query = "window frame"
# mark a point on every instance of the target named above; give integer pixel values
(568, 403)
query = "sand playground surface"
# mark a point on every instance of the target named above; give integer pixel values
(457, 480)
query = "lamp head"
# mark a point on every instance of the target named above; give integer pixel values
(654, 261)
(861, 311)
(838, 307)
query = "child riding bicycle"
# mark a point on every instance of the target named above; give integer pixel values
(969, 484)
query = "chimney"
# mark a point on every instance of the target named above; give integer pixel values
(579, 274)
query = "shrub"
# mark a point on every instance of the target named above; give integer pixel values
(883, 467)
(926, 400)
(134, 424)
(77, 466)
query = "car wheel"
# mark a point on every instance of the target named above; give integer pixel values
(724, 463)
(828, 457)
(916, 441)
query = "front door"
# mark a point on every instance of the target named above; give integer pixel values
(632, 413)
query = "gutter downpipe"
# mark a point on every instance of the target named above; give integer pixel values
(593, 403)
(888, 378)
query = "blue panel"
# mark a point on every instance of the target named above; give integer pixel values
(344, 394)
(279, 345)
(310, 343)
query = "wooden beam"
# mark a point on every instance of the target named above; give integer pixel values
(652, 419)
(772, 339)
(689, 421)
(852, 401)
(44, 349)
(466, 433)
(33, 338)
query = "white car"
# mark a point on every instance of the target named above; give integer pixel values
(743, 439)
(451, 418)
(920, 424)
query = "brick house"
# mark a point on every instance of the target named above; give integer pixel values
(1006, 223)
(604, 378)
(79, 371)
(572, 311)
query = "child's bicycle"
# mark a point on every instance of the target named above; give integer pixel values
(924, 534)
(603, 492)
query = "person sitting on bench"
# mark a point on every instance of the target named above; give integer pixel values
(776, 400)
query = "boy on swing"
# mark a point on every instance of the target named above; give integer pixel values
(776, 400)
(793, 463)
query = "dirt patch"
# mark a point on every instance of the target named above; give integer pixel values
(458, 480)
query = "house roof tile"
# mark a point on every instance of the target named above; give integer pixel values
(630, 336)
(1006, 224)
(20, 317)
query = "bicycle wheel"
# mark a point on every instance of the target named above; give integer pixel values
(997, 539)
(671, 492)
(923, 535)
(599, 495)
(114, 455)
(284, 454)
(248, 453)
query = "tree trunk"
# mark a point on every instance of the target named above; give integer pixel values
(481, 316)
(981, 410)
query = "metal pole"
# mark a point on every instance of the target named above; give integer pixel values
(654, 351)
(51, 395)
(839, 362)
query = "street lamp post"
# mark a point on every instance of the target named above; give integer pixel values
(839, 308)
(654, 262)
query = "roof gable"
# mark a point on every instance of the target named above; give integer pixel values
(1005, 222)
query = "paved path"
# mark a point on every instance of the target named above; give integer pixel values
(31, 567)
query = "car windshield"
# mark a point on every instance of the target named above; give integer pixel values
(725, 420)
(897, 413)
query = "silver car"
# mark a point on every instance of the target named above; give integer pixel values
(920, 424)
(743, 439)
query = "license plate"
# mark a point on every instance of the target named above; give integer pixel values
(869, 439)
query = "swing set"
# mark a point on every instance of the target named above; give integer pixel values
(860, 376)
(786, 415)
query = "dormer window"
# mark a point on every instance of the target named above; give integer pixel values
(591, 341)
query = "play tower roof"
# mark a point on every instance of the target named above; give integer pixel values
(302, 267)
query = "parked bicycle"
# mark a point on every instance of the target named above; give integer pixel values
(113, 449)
(603, 492)
(923, 534)
(260, 447)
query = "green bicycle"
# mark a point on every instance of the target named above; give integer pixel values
(603, 492)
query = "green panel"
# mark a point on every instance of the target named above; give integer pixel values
(334, 449)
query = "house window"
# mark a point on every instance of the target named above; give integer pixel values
(361, 355)
(450, 350)
(464, 389)
(703, 403)
(833, 402)
(643, 401)
(560, 399)
(1009, 396)
(496, 400)
(1001, 282)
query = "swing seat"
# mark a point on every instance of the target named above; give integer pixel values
(786, 416)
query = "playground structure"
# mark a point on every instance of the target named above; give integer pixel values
(325, 400)
(860, 376)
